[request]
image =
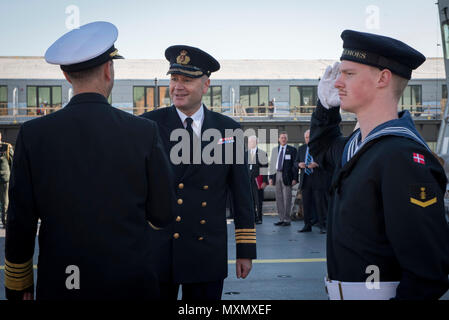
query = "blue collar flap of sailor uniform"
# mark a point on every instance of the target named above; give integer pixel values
(403, 127)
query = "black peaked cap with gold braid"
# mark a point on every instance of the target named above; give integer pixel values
(190, 61)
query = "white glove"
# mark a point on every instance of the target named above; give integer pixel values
(327, 93)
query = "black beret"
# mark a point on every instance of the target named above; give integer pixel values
(380, 51)
(190, 61)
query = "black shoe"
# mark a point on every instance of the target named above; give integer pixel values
(286, 224)
(306, 229)
(258, 221)
(279, 223)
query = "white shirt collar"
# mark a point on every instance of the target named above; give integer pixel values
(198, 118)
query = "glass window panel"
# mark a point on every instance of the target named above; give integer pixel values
(244, 96)
(139, 99)
(444, 91)
(44, 100)
(56, 102)
(253, 96)
(307, 96)
(263, 96)
(164, 97)
(216, 96)
(149, 99)
(31, 97)
(416, 95)
(295, 96)
(207, 98)
(3, 94)
(407, 96)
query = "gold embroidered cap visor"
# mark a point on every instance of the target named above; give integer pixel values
(190, 61)
(381, 52)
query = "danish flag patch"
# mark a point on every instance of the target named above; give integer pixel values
(419, 158)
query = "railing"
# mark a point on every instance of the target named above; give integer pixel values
(429, 112)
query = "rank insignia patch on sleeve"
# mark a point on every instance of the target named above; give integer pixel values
(422, 195)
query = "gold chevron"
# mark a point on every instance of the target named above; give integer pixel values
(423, 204)
(245, 241)
(245, 230)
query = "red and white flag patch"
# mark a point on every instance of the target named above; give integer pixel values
(419, 158)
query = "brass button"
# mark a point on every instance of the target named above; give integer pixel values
(203, 221)
(200, 238)
(176, 235)
(181, 186)
(203, 204)
(206, 187)
(179, 201)
(178, 218)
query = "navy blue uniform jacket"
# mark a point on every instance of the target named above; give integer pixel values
(93, 175)
(194, 247)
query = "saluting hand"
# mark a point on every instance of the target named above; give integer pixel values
(327, 93)
(243, 267)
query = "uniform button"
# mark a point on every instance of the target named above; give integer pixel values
(203, 221)
(178, 218)
(200, 238)
(176, 235)
(203, 204)
(206, 187)
(181, 186)
(179, 201)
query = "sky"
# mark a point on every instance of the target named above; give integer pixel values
(227, 29)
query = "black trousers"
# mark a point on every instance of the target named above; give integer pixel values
(259, 214)
(315, 202)
(202, 291)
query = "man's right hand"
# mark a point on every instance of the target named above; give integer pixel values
(327, 93)
(302, 165)
(271, 182)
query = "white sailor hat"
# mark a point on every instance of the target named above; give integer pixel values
(84, 48)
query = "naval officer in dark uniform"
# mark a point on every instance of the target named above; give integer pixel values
(193, 249)
(387, 235)
(6, 156)
(96, 177)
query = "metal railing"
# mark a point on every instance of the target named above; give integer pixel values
(430, 112)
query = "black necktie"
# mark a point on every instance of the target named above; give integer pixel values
(281, 160)
(190, 131)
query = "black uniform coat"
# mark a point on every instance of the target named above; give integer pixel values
(386, 210)
(93, 175)
(194, 247)
(289, 173)
(319, 179)
(260, 162)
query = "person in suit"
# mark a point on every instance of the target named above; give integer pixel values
(314, 183)
(96, 177)
(192, 251)
(258, 169)
(6, 156)
(283, 176)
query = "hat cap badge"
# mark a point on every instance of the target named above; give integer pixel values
(183, 58)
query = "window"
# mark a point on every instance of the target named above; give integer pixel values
(254, 97)
(164, 96)
(3, 100)
(42, 100)
(143, 99)
(303, 95)
(212, 98)
(444, 92)
(412, 96)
